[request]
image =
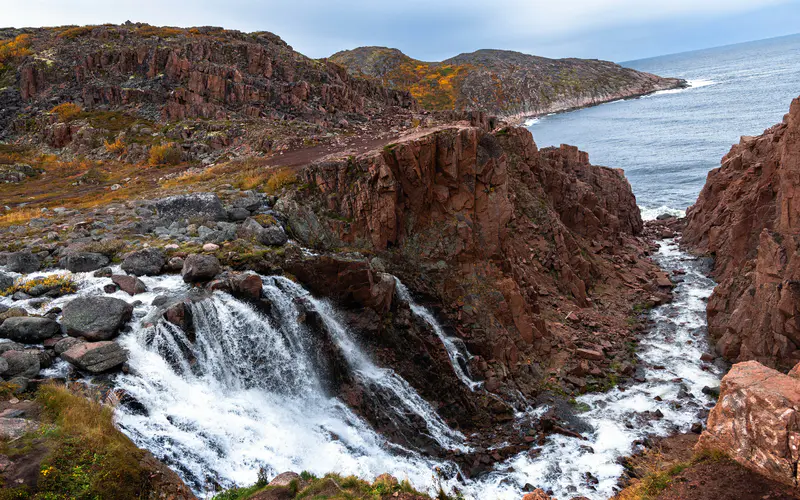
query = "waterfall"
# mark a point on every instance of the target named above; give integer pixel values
(456, 350)
(248, 394)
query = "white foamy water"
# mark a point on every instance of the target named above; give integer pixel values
(456, 350)
(675, 343)
(649, 213)
(248, 393)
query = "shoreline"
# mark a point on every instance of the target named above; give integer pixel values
(519, 119)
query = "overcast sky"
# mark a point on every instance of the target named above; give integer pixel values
(618, 30)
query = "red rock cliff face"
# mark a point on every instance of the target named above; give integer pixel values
(748, 216)
(510, 239)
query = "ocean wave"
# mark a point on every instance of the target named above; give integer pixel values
(693, 84)
(649, 213)
(531, 121)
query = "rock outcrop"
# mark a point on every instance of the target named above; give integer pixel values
(748, 218)
(756, 421)
(502, 234)
(502, 82)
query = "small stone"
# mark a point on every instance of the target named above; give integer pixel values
(210, 247)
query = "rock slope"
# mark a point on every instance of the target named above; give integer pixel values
(509, 84)
(746, 216)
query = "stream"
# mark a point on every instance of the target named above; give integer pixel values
(247, 393)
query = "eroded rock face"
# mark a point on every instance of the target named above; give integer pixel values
(747, 217)
(491, 227)
(756, 421)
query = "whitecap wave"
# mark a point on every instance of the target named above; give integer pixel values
(692, 84)
(651, 213)
(531, 121)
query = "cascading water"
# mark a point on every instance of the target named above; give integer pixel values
(674, 378)
(247, 394)
(456, 350)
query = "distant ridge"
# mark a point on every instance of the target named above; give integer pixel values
(503, 82)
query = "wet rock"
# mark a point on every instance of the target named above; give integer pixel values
(23, 262)
(190, 206)
(697, 427)
(246, 285)
(711, 391)
(95, 318)
(180, 315)
(21, 364)
(96, 357)
(83, 262)
(200, 268)
(29, 330)
(129, 284)
(147, 262)
(110, 288)
(537, 494)
(174, 265)
(105, 272)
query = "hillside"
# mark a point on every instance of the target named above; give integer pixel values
(507, 83)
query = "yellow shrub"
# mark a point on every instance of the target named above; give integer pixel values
(281, 178)
(66, 111)
(116, 147)
(75, 32)
(160, 32)
(65, 283)
(165, 154)
(16, 48)
(17, 217)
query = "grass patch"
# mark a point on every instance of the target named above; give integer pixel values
(19, 216)
(659, 477)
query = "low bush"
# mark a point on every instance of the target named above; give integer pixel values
(64, 283)
(66, 111)
(280, 179)
(165, 154)
(75, 32)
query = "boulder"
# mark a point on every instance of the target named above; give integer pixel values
(83, 262)
(247, 285)
(756, 421)
(190, 206)
(147, 262)
(95, 318)
(66, 344)
(23, 262)
(284, 479)
(29, 329)
(96, 357)
(9, 345)
(129, 284)
(272, 235)
(200, 268)
(21, 364)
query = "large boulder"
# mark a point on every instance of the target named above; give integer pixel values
(83, 262)
(190, 206)
(129, 284)
(147, 262)
(200, 268)
(96, 318)
(96, 357)
(23, 262)
(29, 329)
(757, 421)
(21, 364)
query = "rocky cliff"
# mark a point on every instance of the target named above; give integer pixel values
(746, 216)
(534, 255)
(506, 83)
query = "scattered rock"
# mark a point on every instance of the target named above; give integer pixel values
(66, 344)
(29, 330)
(210, 247)
(129, 284)
(96, 357)
(6, 282)
(83, 262)
(96, 318)
(199, 268)
(23, 262)
(591, 354)
(190, 206)
(21, 364)
(147, 262)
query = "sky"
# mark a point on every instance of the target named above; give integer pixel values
(432, 30)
